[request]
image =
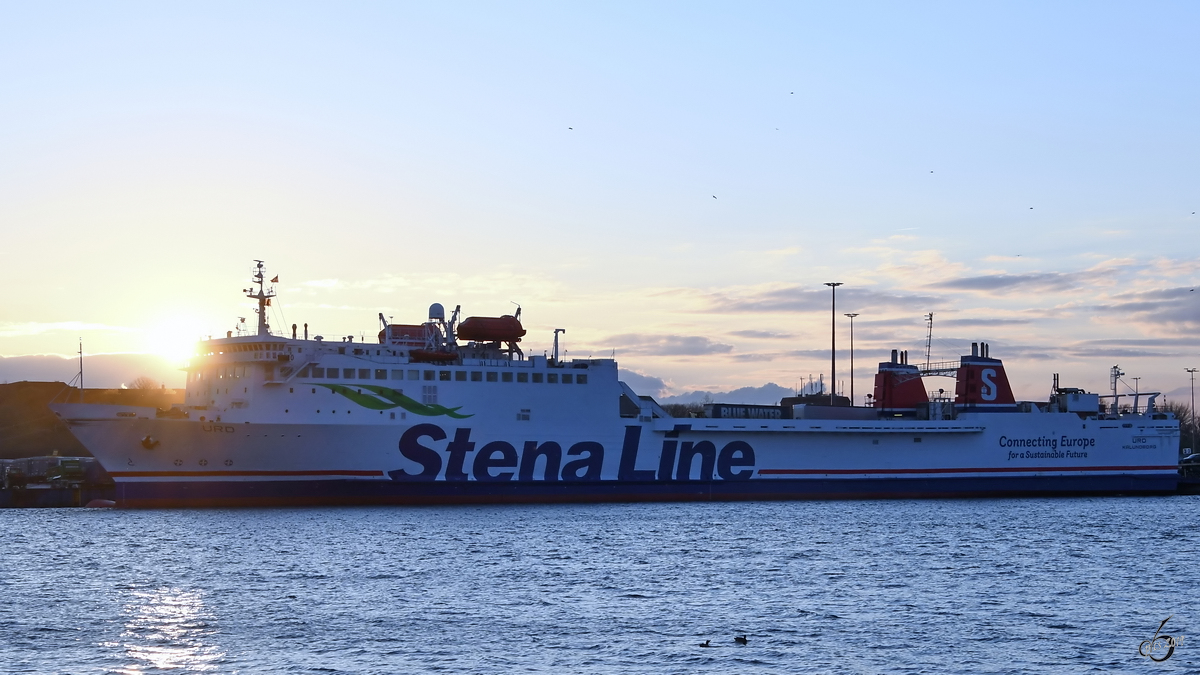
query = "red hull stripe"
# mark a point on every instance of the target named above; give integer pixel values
(1005, 469)
(213, 474)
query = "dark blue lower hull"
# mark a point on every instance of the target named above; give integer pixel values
(359, 492)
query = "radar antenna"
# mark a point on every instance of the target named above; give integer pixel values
(263, 296)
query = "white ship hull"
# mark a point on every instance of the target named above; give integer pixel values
(420, 418)
(978, 454)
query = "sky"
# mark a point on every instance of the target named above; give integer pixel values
(672, 183)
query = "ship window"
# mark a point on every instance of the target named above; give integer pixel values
(506, 377)
(270, 372)
(429, 393)
(460, 376)
(341, 350)
(444, 375)
(414, 374)
(429, 375)
(390, 415)
(522, 377)
(568, 378)
(347, 373)
(581, 379)
(916, 439)
(364, 373)
(381, 373)
(552, 378)
(291, 391)
(318, 372)
(397, 374)
(523, 416)
(476, 376)
(537, 377)
(303, 372)
(491, 376)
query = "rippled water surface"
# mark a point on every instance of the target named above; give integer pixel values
(983, 586)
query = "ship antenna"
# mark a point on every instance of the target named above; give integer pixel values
(81, 370)
(928, 339)
(263, 296)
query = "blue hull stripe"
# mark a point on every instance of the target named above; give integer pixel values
(363, 492)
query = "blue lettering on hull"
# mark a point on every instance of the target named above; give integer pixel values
(500, 461)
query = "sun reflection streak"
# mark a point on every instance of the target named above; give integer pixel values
(169, 628)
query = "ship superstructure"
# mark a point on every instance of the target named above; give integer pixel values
(450, 410)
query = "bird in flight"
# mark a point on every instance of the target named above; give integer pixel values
(714, 196)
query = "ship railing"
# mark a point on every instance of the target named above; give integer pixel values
(940, 369)
(1136, 408)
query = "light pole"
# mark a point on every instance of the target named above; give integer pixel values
(852, 358)
(1192, 374)
(832, 338)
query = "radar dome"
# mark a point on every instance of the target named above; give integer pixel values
(436, 311)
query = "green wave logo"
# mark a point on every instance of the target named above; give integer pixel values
(386, 399)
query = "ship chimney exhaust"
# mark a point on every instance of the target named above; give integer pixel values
(974, 349)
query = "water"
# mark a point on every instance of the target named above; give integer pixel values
(978, 586)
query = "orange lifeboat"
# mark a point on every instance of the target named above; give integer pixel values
(426, 356)
(491, 329)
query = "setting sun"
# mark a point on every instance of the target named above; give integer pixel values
(174, 337)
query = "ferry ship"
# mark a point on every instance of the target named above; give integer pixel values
(451, 411)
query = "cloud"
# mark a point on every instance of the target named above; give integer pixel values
(1103, 274)
(646, 385)
(22, 329)
(1177, 308)
(667, 345)
(795, 298)
(1001, 283)
(760, 334)
(967, 323)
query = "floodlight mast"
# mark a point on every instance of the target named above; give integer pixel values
(1192, 374)
(852, 315)
(833, 338)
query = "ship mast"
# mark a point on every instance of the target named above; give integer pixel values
(263, 296)
(928, 338)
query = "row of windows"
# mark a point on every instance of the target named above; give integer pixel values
(316, 372)
(222, 373)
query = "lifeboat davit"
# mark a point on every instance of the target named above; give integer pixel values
(426, 356)
(505, 328)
